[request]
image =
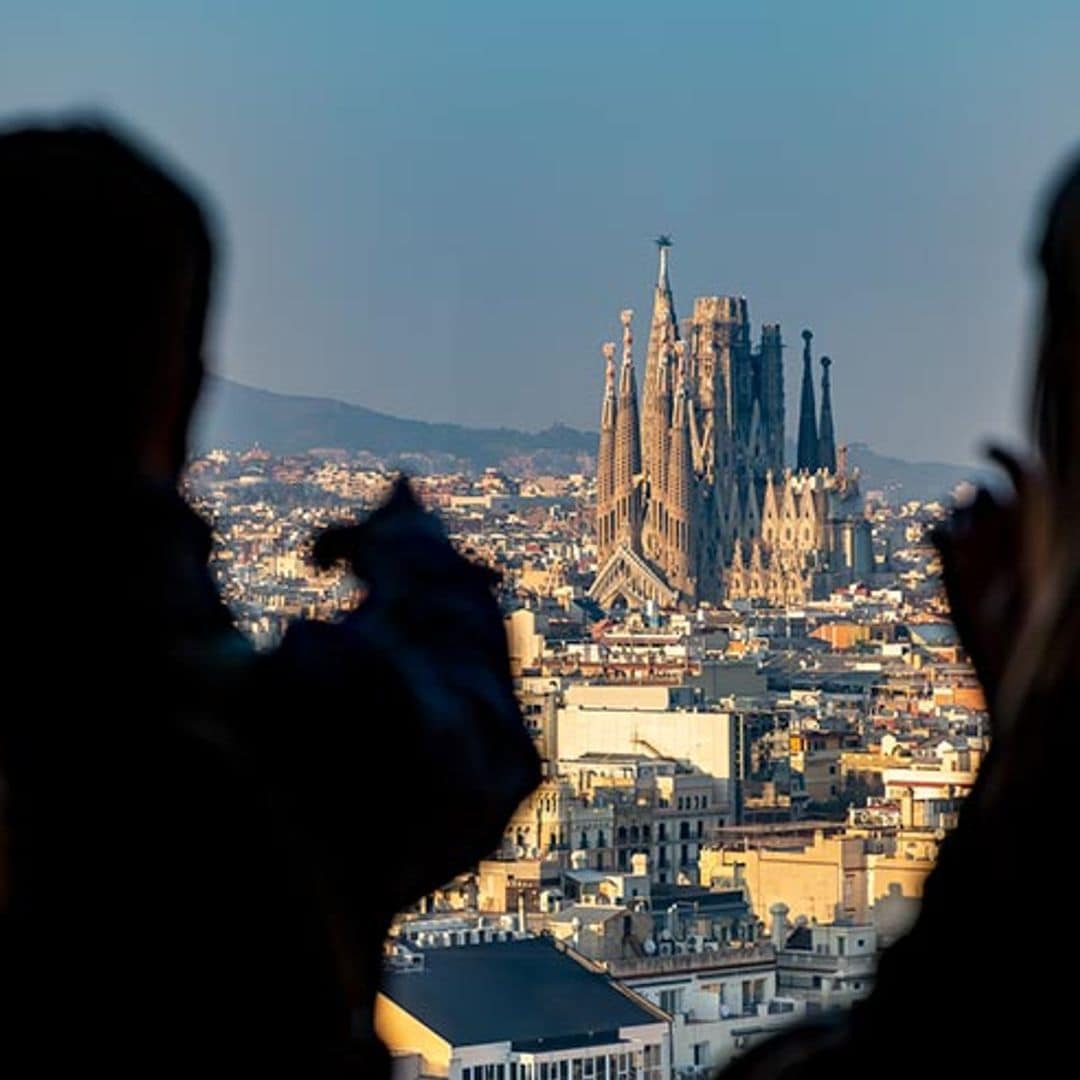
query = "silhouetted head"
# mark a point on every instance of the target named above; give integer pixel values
(1056, 404)
(109, 261)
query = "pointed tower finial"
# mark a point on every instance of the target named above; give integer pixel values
(608, 349)
(626, 317)
(663, 242)
(826, 436)
(807, 450)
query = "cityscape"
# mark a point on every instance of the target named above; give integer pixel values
(551, 545)
(736, 663)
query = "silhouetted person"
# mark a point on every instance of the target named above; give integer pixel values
(202, 846)
(980, 986)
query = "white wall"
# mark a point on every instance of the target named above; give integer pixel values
(702, 738)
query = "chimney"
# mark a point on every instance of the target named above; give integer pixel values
(778, 912)
(907, 809)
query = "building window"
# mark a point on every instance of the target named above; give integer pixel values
(584, 840)
(652, 1063)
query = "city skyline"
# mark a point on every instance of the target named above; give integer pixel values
(436, 215)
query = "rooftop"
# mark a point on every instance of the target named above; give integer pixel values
(527, 992)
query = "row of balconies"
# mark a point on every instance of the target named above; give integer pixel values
(745, 956)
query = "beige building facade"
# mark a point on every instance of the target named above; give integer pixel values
(827, 879)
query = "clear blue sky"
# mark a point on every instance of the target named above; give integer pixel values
(437, 209)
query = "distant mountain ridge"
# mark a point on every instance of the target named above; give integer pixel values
(236, 417)
(899, 480)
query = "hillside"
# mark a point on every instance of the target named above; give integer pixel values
(236, 417)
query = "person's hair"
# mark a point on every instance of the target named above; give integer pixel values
(1056, 397)
(107, 268)
(1045, 641)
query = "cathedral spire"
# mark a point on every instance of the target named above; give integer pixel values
(663, 333)
(679, 494)
(826, 437)
(627, 495)
(607, 416)
(807, 450)
(605, 460)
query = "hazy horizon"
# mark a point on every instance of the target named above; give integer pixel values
(587, 429)
(437, 212)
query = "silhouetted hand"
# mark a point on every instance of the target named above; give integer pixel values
(431, 625)
(992, 552)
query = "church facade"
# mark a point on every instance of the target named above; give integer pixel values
(694, 502)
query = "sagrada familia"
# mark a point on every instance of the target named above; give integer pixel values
(693, 499)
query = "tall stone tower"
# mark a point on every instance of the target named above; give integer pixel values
(605, 460)
(627, 449)
(693, 501)
(826, 455)
(806, 456)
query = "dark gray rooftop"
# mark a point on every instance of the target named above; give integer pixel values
(526, 992)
